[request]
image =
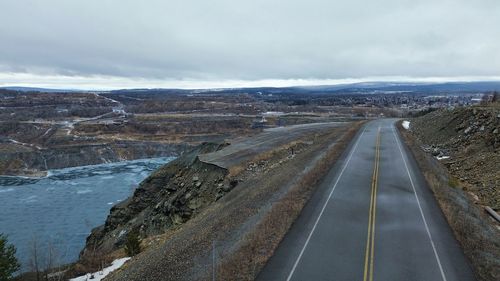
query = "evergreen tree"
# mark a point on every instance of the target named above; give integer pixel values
(133, 243)
(8, 261)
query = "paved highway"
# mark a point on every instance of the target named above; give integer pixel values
(373, 218)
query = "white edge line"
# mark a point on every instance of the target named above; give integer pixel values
(420, 208)
(324, 207)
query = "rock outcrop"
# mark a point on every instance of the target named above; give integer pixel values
(168, 197)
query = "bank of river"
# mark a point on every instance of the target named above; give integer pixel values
(61, 209)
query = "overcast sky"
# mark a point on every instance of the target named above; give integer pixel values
(156, 42)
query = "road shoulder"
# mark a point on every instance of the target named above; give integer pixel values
(477, 236)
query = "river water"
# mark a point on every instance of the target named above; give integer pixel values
(59, 211)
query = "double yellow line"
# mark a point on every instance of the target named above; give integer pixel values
(370, 240)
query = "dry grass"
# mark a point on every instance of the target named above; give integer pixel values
(236, 170)
(453, 182)
(472, 228)
(259, 245)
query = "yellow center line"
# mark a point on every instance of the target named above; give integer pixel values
(370, 240)
(375, 185)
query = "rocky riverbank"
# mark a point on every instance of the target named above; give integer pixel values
(36, 162)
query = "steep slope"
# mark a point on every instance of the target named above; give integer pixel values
(169, 197)
(188, 207)
(470, 137)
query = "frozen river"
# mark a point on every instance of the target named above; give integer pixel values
(61, 209)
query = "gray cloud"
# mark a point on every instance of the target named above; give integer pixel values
(251, 40)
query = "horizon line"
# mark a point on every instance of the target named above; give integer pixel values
(108, 83)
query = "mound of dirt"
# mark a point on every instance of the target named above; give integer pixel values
(468, 142)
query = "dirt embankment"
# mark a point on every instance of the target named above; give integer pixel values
(454, 134)
(188, 208)
(470, 137)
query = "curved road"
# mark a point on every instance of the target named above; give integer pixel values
(373, 218)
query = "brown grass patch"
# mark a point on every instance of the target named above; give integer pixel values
(236, 170)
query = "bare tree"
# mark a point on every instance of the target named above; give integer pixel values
(486, 99)
(92, 257)
(50, 259)
(496, 96)
(43, 260)
(34, 262)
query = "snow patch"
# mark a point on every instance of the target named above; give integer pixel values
(442, 157)
(122, 232)
(98, 276)
(406, 124)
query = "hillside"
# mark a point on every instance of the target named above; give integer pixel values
(185, 207)
(457, 150)
(467, 140)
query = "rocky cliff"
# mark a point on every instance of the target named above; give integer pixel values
(167, 198)
(36, 162)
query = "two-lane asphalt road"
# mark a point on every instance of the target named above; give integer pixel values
(373, 218)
